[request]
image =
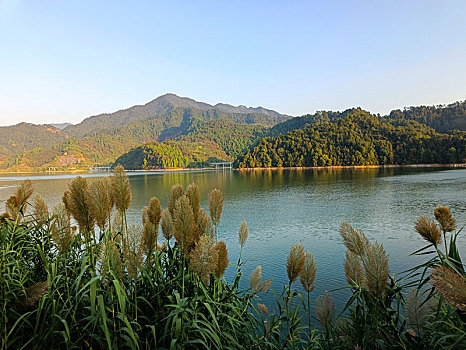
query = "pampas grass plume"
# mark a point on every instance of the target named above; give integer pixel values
(308, 274)
(428, 230)
(295, 262)
(120, 189)
(451, 285)
(215, 206)
(222, 260)
(444, 218)
(243, 234)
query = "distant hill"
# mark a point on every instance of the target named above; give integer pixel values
(170, 111)
(61, 126)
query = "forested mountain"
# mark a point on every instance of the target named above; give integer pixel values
(169, 111)
(441, 118)
(357, 139)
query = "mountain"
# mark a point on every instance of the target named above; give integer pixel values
(61, 126)
(171, 110)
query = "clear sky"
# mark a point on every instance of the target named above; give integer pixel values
(67, 60)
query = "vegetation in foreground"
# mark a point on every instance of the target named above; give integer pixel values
(107, 284)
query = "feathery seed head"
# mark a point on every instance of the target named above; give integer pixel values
(41, 211)
(154, 211)
(308, 275)
(376, 269)
(76, 200)
(183, 220)
(35, 292)
(204, 258)
(215, 205)
(416, 311)
(428, 230)
(445, 219)
(262, 308)
(167, 224)
(222, 260)
(256, 277)
(451, 285)
(353, 269)
(100, 203)
(295, 262)
(243, 234)
(205, 224)
(325, 308)
(355, 241)
(132, 249)
(111, 260)
(175, 193)
(16, 205)
(192, 192)
(62, 233)
(120, 189)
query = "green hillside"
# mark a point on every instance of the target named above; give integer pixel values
(358, 139)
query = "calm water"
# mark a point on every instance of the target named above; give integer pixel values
(282, 207)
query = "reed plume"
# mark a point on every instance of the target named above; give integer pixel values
(117, 222)
(222, 259)
(262, 308)
(243, 234)
(205, 224)
(16, 205)
(451, 285)
(444, 218)
(132, 250)
(41, 211)
(204, 258)
(120, 189)
(62, 233)
(376, 269)
(183, 220)
(167, 225)
(215, 206)
(255, 282)
(308, 274)
(416, 311)
(353, 269)
(325, 309)
(151, 218)
(76, 200)
(428, 230)
(355, 240)
(34, 293)
(100, 202)
(295, 262)
(192, 192)
(175, 193)
(112, 260)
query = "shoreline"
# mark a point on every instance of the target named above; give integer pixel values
(82, 171)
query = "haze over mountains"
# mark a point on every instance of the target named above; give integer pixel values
(173, 131)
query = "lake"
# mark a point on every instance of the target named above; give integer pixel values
(282, 207)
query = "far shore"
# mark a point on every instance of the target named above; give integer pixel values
(87, 171)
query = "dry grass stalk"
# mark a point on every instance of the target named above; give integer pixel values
(183, 220)
(445, 219)
(62, 233)
(76, 200)
(167, 224)
(204, 258)
(175, 193)
(428, 230)
(35, 292)
(308, 275)
(215, 206)
(243, 234)
(100, 202)
(120, 189)
(295, 262)
(325, 309)
(353, 269)
(16, 205)
(451, 285)
(355, 240)
(222, 259)
(376, 269)
(41, 211)
(416, 311)
(132, 250)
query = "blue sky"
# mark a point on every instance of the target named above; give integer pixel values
(67, 60)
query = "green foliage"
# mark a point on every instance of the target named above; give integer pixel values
(357, 139)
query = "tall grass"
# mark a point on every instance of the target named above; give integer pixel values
(111, 284)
